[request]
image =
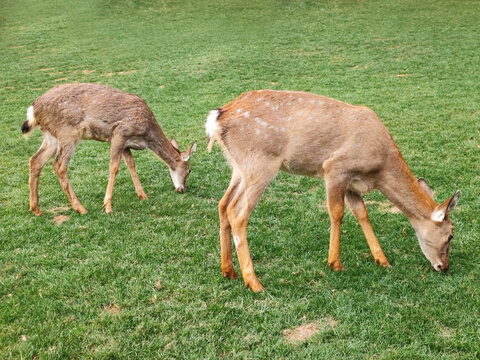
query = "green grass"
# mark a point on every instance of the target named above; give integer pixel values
(85, 288)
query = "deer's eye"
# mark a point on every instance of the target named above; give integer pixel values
(450, 237)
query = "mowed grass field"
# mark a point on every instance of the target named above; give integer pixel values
(86, 288)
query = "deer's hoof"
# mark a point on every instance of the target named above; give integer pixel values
(230, 273)
(383, 263)
(36, 211)
(81, 210)
(254, 284)
(336, 265)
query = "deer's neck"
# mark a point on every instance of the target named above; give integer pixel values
(162, 147)
(402, 189)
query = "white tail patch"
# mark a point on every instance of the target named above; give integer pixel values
(30, 117)
(211, 127)
(31, 121)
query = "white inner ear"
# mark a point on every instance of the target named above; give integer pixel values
(174, 143)
(438, 216)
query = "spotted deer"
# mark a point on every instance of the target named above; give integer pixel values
(69, 113)
(262, 132)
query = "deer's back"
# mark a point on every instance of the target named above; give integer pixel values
(91, 111)
(303, 130)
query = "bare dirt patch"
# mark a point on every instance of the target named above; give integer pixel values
(112, 309)
(110, 74)
(384, 207)
(60, 219)
(304, 332)
(58, 209)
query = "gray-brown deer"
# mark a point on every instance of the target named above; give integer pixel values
(262, 132)
(69, 113)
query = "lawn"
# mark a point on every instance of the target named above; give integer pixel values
(145, 281)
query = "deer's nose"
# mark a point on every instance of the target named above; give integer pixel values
(440, 267)
(180, 190)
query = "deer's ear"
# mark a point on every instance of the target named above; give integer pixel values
(175, 144)
(189, 151)
(193, 148)
(452, 202)
(442, 211)
(423, 184)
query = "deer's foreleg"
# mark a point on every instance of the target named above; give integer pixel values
(128, 158)
(358, 208)
(336, 188)
(116, 151)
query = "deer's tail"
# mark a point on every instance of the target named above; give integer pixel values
(29, 124)
(211, 127)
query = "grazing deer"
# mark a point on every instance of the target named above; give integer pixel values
(71, 112)
(262, 132)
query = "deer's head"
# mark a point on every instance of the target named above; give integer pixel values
(182, 167)
(435, 234)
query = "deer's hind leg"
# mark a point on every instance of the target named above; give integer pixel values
(359, 209)
(249, 192)
(37, 162)
(128, 158)
(65, 151)
(226, 229)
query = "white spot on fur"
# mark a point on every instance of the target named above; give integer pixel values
(257, 131)
(238, 110)
(236, 240)
(267, 103)
(312, 101)
(276, 107)
(300, 99)
(259, 121)
(259, 99)
(246, 114)
(211, 124)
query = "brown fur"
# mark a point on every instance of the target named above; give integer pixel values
(69, 113)
(262, 132)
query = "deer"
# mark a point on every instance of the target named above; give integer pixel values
(69, 113)
(263, 132)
